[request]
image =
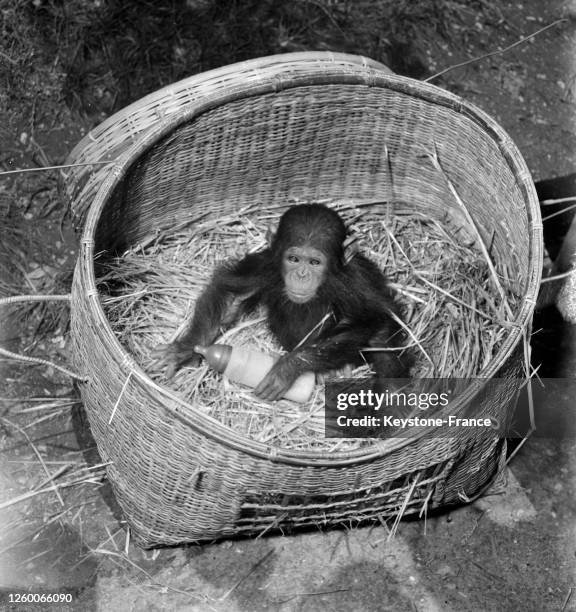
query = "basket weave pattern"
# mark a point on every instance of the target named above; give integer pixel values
(290, 128)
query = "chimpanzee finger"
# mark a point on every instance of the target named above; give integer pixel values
(266, 389)
(171, 370)
(164, 357)
(272, 387)
(160, 351)
(159, 357)
(262, 389)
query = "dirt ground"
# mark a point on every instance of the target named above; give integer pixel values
(513, 550)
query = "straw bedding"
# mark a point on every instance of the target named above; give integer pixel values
(454, 315)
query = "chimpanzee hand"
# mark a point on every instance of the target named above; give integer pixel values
(173, 356)
(278, 380)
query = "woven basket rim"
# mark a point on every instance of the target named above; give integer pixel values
(256, 65)
(211, 427)
(129, 123)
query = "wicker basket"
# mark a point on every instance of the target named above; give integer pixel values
(299, 127)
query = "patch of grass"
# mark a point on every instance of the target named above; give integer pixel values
(100, 55)
(30, 74)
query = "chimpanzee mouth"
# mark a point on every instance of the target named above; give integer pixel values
(300, 298)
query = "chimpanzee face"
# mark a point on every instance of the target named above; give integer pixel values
(303, 271)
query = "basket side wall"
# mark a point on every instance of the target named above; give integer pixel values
(323, 143)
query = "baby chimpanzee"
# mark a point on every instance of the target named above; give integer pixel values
(322, 310)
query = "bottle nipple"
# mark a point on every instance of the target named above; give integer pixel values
(217, 355)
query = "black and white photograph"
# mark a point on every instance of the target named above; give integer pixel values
(288, 306)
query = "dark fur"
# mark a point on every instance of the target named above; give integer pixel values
(355, 294)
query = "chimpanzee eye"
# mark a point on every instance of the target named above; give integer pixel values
(315, 262)
(293, 259)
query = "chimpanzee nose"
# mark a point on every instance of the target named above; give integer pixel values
(302, 272)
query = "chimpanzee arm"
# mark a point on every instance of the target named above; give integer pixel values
(332, 352)
(217, 308)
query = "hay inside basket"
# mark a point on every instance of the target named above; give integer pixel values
(454, 316)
